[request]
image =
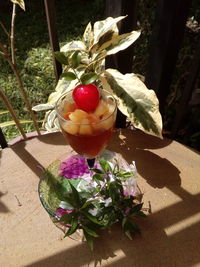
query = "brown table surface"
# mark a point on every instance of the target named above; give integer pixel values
(169, 177)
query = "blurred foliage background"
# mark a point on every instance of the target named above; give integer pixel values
(34, 57)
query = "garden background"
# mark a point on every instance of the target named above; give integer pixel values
(34, 58)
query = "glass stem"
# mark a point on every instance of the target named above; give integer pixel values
(91, 162)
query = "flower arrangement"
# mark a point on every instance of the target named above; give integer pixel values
(92, 199)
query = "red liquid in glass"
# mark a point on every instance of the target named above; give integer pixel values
(89, 145)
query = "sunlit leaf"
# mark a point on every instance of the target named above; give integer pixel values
(103, 26)
(73, 45)
(68, 76)
(41, 107)
(61, 57)
(105, 38)
(88, 35)
(19, 2)
(51, 122)
(135, 100)
(88, 78)
(118, 43)
(76, 58)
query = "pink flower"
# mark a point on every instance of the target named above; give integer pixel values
(61, 212)
(73, 167)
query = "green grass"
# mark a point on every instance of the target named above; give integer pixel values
(34, 57)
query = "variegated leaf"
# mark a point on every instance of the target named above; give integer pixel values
(62, 87)
(73, 45)
(51, 122)
(41, 107)
(119, 42)
(103, 26)
(20, 3)
(88, 35)
(105, 38)
(135, 100)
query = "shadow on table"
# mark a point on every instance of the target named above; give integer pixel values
(20, 149)
(153, 248)
(3, 208)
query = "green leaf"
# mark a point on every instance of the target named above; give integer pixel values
(89, 204)
(66, 218)
(75, 196)
(138, 103)
(98, 177)
(74, 226)
(129, 227)
(89, 240)
(92, 218)
(137, 207)
(61, 57)
(75, 60)
(68, 76)
(89, 231)
(97, 170)
(104, 165)
(138, 214)
(88, 78)
(115, 191)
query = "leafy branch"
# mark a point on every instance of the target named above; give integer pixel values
(84, 62)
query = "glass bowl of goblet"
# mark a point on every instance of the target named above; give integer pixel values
(87, 133)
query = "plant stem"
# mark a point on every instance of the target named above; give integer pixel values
(4, 29)
(21, 86)
(24, 94)
(12, 112)
(12, 40)
(76, 75)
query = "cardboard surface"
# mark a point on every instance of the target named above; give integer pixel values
(169, 177)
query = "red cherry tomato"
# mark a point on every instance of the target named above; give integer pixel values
(86, 97)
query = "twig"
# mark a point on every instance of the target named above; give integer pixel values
(12, 40)
(4, 29)
(14, 115)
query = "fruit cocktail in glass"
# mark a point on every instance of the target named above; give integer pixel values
(87, 118)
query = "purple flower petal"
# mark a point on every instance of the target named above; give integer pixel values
(73, 167)
(61, 212)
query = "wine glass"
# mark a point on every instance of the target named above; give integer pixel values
(87, 133)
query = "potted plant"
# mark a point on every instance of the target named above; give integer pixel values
(84, 62)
